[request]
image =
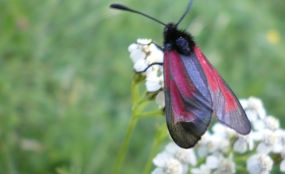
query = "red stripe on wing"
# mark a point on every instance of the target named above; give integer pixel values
(182, 81)
(216, 83)
(226, 106)
(178, 106)
(230, 102)
(208, 69)
(179, 87)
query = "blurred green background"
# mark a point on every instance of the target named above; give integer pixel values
(66, 74)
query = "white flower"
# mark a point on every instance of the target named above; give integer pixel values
(212, 162)
(156, 54)
(271, 123)
(256, 105)
(281, 134)
(203, 169)
(154, 83)
(251, 114)
(136, 52)
(258, 125)
(282, 166)
(253, 108)
(144, 41)
(241, 143)
(185, 156)
(220, 164)
(268, 122)
(140, 65)
(143, 53)
(215, 144)
(220, 139)
(159, 99)
(202, 145)
(259, 163)
(166, 164)
(269, 142)
(222, 131)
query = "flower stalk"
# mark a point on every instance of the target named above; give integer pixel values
(139, 104)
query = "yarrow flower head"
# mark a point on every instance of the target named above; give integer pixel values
(221, 165)
(185, 156)
(269, 142)
(203, 169)
(253, 107)
(259, 163)
(143, 53)
(243, 142)
(271, 123)
(166, 164)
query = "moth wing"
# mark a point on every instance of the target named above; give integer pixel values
(226, 106)
(188, 104)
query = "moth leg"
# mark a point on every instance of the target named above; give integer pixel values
(155, 63)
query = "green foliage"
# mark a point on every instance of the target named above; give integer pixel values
(66, 76)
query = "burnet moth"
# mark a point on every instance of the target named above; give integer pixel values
(193, 88)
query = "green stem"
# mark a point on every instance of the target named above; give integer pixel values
(149, 114)
(244, 157)
(125, 145)
(135, 92)
(241, 169)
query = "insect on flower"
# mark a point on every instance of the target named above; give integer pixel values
(193, 88)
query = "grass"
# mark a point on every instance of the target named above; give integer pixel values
(66, 76)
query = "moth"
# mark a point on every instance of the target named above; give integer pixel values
(194, 90)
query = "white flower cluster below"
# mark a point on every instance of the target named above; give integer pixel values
(222, 146)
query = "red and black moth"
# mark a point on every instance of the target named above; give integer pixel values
(194, 90)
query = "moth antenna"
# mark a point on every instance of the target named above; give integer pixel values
(186, 11)
(122, 7)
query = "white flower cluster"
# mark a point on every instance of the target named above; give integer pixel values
(174, 160)
(222, 149)
(144, 53)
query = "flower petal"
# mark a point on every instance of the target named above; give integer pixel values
(137, 55)
(161, 159)
(140, 65)
(212, 162)
(159, 99)
(282, 166)
(153, 84)
(133, 47)
(240, 146)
